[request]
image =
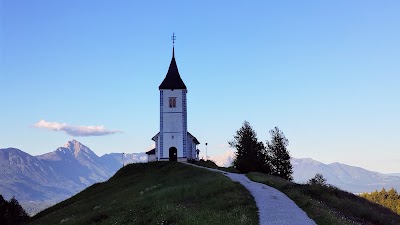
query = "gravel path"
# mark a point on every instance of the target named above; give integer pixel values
(274, 207)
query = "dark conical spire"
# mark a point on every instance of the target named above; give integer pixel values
(172, 80)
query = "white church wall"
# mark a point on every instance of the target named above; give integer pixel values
(151, 158)
(176, 142)
(157, 143)
(173, 122)
(193, 151)
(188, 147)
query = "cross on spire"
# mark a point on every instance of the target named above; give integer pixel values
(173, 38)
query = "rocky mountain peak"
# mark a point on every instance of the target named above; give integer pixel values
(76, 147)
(73, 144)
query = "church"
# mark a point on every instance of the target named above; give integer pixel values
(173, 142)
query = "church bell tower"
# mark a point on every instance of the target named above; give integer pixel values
(173, 142)
(173, 115)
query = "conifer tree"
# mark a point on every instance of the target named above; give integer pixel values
(250, 153)
(279, 155)
(16, 214)
(389, 199)
(3, 210)
(11, 212)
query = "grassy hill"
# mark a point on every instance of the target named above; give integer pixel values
(157, 193)
(326, 205)
(174, 193)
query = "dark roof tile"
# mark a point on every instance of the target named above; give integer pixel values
(172, 80)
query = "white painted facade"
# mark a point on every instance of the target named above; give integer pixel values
(151, 158)
(192, 146)
(173, 120)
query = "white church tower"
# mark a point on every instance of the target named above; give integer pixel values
(173, 142)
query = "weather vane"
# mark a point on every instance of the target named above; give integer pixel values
(173, 38)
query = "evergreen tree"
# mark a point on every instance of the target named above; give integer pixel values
(3, 210)
(382, 196)
(250, 153)
(389, 199)
(373, 197)
(279, 155)
(11, 212)
(16, 214)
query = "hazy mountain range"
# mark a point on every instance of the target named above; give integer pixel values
(40, 181)
(349, 178)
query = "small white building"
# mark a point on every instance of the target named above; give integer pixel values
(173, 142)
(151, 155)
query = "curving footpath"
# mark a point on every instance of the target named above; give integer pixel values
(274, 207)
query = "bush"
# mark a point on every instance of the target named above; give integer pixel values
(318, 179)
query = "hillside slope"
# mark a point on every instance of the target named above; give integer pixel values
(329, 205)
(157, 193)
(324, 204)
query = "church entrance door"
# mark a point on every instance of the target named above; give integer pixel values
(173, 154)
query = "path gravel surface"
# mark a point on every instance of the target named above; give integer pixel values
(274, 207)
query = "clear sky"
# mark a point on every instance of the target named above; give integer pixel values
(327, 73)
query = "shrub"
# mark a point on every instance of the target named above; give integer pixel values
(318, 179)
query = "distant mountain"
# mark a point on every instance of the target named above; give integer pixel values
(40, 181)
(29, 178)
(349, 178)
(77, 163)
(113, 161)
(394, 174)
(225, 159)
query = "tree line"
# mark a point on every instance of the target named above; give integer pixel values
(11, 212)
(389, 199)
(253, 155)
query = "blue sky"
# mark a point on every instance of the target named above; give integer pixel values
(326, 73)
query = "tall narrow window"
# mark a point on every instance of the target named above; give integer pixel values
(172, 102)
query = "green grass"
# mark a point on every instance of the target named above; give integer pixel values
(330, 205)
(157, 193)
(211, 164)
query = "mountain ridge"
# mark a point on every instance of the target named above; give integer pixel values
(350, 178)
(43, 180)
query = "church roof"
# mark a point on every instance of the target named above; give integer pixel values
(194, 139)
(151, 152)
(154, 138)
(172, 80)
